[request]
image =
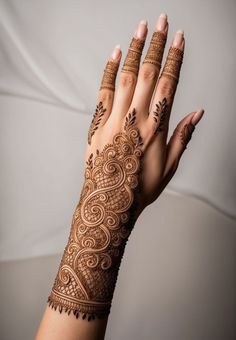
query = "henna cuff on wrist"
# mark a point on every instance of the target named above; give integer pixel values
(101, 225)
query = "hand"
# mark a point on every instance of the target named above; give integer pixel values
(128, 164)
(146, 101)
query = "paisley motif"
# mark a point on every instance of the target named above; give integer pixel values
(101, 225)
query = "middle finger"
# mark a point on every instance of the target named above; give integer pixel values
(129, 73)
(149, 71)
(166, 87)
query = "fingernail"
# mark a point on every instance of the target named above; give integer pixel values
(142, 29)
(198, 115)
(116, 53)
(161, 22)
(178, 39)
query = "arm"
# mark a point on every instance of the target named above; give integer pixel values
(128, 163)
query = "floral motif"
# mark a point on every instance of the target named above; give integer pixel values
(101, 225)
(99, 112)
(160, 115)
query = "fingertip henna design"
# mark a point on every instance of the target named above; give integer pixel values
(173, 64)
(109, 76)
(132, 60)
(99, 112)
(160, 114)
(101, 225)
(156, 49)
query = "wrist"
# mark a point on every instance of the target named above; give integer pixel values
(88, 271)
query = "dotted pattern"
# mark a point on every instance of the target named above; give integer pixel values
(156, 49)
(102, 243)
(173, 64)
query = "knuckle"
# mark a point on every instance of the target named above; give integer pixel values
(166, 87)
(148, 73)
(127, 79)
(105, 95)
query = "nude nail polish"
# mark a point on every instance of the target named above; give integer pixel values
(161, 22)
(197, 116)
(178, 39)
(116, 53)
(142, 29)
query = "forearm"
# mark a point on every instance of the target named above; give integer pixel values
(129, 163)
(56, 326)
(102, 222)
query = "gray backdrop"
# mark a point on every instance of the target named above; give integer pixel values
(178, 275)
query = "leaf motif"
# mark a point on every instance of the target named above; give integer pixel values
(89, 162)
(161, 112)
(130, 119)
(99, 112)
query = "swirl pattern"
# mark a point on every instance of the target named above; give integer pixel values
(101, 225)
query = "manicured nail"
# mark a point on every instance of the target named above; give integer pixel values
(161, 22)
(198, 115)
(116, 53)
(178, 39)
(142, 29)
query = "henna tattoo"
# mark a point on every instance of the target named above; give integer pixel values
(161, 113)
(101, 225)
(156, 49)
(89, 162)
(173, 64)
(186, 134)
(132, 60)
(129, 121)
(109, 76)
(99, 112)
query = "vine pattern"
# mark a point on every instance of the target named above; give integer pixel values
(98, 114)
(101, 225)
(160, 114)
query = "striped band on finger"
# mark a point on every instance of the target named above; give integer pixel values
(156, 49)
(173, 63)
(109, 76)
(132, 60)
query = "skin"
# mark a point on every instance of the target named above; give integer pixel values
(160, 162)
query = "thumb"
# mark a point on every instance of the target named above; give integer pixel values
(179, 140)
